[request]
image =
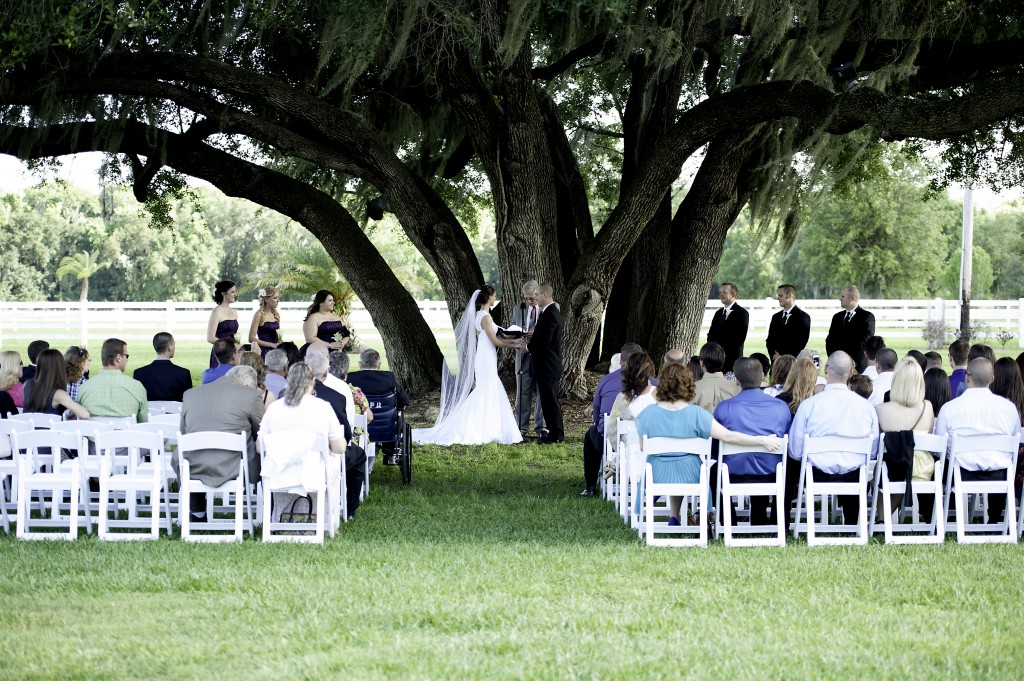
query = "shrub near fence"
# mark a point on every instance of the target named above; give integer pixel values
(91, 323)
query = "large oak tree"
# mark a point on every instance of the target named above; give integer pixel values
(562, 112)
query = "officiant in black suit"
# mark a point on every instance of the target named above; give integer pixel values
(546, 348)
(164, 380)
(790, 327)
(729, 325)
(851, 328)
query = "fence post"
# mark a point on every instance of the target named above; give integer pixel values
(1020, 322)
(169, 317)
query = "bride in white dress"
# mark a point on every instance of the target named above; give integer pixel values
(473, 415)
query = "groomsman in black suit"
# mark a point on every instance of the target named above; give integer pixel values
(790, 327)
(729, 325)
(163, 380)
(851, 328)
(546, 347)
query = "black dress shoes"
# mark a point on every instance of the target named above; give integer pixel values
(589, 492)
(550, 440)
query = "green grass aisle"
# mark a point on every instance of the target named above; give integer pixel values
(490, 566)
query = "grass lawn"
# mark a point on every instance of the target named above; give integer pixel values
(490, 566)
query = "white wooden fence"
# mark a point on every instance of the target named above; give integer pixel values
(95, 321)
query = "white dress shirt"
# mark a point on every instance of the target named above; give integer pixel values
(979, 411)
(836, 410)
(871, 372)
(883, 384)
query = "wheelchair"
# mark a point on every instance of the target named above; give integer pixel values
(389, 425)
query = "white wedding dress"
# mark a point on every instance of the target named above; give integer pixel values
(484, 414)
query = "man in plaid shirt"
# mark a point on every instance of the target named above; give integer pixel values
(111, 393)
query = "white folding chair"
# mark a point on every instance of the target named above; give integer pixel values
(606, 448)
(1020, 520)
(45, 473)
(699, 489)
(118, 422)
(301, 447)
(164, 406)
(38, 420)
(628, 441)
(957, 489)
(9, 470)
(730, 489)
(172, 419)
(930, 531)
(129, 472)
(169, 433)
(809, 489)
(233, 442)
(364, 441)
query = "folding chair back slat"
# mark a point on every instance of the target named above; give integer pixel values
(775, 489)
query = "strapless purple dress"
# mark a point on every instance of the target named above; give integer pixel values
(326, 332)
(268, 333)
(226, 329)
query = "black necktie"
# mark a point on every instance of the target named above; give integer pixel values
(785, 316)
(849, 316)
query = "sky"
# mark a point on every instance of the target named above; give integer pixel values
(82, 170)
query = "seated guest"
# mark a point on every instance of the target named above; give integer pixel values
(77, 360)
(110, 392)
(253, 359)
(299, 410)
(693, 364)
(779, 373)
(833, 411)
(981, 350)
(46, 393)
(885, 363)
(339, 368)
(10, 373)
(871, 348)
(34, 348)
(226, 406)
(766, 364)
(907, 409)
(861, 384)
(674, 415)
(226, 353)
(373, 381)
(675, 356)
(636, 393)
(936, 389)
(979, 411)
(355, 456)
(713, 387)
(934, 360)
(277, 369)
(919, 358)
(164, 380)
(754, 413)
(958, 351)
(333, 382)
(816, 359)
(615, 363)
(593, 442)
(291, 351)
(800, 384)
(1007, 383)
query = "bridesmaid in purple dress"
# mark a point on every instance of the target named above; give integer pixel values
(223, 320)
(266, 323)
(321, 324)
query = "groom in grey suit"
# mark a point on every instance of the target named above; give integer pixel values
(524, 315)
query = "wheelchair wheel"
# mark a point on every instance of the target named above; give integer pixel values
(405, 454)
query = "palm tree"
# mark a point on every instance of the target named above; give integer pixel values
(303, 268)
(80, 266)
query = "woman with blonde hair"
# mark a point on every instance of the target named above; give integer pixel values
(78, 366)
(266, 323)
(252, 359)
(799, 383)
(907, 409)
(10, 376)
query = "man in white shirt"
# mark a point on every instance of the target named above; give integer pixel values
(836, 410)
(979, 411)
(885, 365)
(871, 348)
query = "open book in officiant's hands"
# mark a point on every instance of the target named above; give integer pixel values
(511, 332)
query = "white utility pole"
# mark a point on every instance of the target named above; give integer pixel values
(967, 248)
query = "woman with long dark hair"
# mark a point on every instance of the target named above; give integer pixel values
(636, 394)
(223, 320)
(46, 393)
(937, 390)
(323, 325)
(1007, 382)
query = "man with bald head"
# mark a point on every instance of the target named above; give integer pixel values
(979, 411)
(836, 410)
(851, 328)
(674, 356)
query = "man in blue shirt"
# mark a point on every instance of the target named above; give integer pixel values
(754, 413)
(593, 442)
(226, 352)
(958, 353)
